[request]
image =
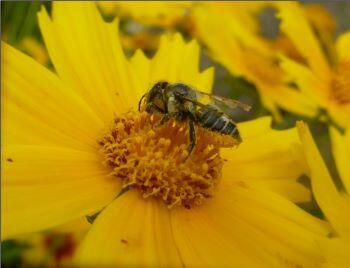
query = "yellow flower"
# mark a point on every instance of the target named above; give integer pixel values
(324, 83)
(244, 52)
(334, 203)
(71, 140)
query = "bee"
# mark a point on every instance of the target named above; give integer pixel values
(182, 102)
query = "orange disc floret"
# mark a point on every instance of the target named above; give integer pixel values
(153, 159)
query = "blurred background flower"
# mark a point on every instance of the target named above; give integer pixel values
(44, 249)
(334, 200)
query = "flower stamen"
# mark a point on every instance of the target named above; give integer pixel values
(341, 83)
(152, 159)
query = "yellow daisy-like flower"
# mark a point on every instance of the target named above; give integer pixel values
(72, 140)
(327, 85)
(334, 203)
(244, 52)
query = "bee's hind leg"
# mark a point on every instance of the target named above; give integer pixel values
(192, 135)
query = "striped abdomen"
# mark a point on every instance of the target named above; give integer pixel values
(209, 117)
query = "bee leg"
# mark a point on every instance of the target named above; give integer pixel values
(192, 135)
(165, 118)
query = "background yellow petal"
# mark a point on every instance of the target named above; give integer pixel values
(244, 53)
(221, 43)
(132, 231)
(308, 83)
(295, 25)
(153, 13)
(335, 206)
(44, 187)
(342, 46)
(241, 227)
(38, 109)
(87, 55)
(341, 153)
(175, 61)
(339, 115)
(291, 100)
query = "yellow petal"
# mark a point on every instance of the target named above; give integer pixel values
(38, 109)
(175, 61)
(342, 46)
(268, 155)
(267, 158)
(292, 100)
(35, 49)
(141, 66)
(295, 25)
(335, 206)
(228, 51)
(178, 61)
(255, 128)
(241, 227)
(79, 225)
(336, 252)
(272, 107)
(87, 55)
(290, 189)
(131, 232)
(313, 87)
(46, 186)
(341, 152)
(339, 115)
(157, 13)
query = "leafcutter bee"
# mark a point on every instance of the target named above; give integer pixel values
(182, 102)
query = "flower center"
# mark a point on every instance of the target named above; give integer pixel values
(341, 83)
(153, 159)
(264, 68)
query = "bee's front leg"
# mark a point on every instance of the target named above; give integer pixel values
(165, 118)
(192, 135)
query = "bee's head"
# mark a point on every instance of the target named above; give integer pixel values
(154, 97)
(157, 90)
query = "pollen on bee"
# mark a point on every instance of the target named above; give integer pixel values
(151, 159)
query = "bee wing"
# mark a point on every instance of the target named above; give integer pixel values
(229, 103)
